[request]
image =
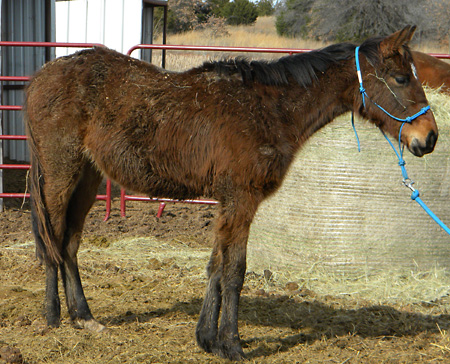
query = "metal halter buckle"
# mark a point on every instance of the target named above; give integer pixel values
(409, 183)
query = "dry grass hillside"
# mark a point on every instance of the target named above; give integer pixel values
(260, 34)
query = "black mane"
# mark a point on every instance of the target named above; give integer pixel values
(302, 67)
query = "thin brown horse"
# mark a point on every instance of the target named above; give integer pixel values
(227, 130)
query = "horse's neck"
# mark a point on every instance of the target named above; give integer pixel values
(322, 102)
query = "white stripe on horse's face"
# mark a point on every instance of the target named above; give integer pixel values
(414, 71)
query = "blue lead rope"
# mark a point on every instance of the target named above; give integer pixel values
(401, 162)
(409, 183)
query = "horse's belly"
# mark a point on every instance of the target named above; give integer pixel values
(163, 179)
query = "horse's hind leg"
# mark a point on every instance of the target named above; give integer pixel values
(50, 198)
(52, 303)
(63, 192)
(79, 205)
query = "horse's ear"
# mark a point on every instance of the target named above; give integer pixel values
(394, 43)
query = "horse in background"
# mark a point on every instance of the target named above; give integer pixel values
(227, 130)
(432, 71)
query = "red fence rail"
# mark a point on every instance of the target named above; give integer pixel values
(123, 196)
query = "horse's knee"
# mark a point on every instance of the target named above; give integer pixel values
(215, 262)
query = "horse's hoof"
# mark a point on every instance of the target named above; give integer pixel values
(53, 322)
(231, 352)
(206, 339)
(90, 325)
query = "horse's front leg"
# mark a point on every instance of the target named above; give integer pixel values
(206, 332)
(234, 265)
(226, 272)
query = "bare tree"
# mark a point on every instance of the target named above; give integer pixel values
(438, 21)
(183, 14)
(356, 20)
(293, 17)
(349, 20)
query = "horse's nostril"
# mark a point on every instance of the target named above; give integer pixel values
(419, 148)
(431, 141)
(415, 148)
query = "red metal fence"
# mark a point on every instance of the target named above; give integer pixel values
(123, 196)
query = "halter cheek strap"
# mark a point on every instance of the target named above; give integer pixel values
(358, 72)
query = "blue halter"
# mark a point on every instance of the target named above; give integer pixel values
(401, 162)
(408, 119)
(364, 95)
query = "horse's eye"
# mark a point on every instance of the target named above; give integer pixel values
(401, 80)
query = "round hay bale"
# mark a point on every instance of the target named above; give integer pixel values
(349, 211)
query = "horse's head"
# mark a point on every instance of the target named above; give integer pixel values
(393, 92)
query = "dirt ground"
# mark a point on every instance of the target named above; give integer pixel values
(145, 277)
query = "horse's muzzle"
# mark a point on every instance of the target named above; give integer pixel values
(419, 148)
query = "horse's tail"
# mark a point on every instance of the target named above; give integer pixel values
(46, 248)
